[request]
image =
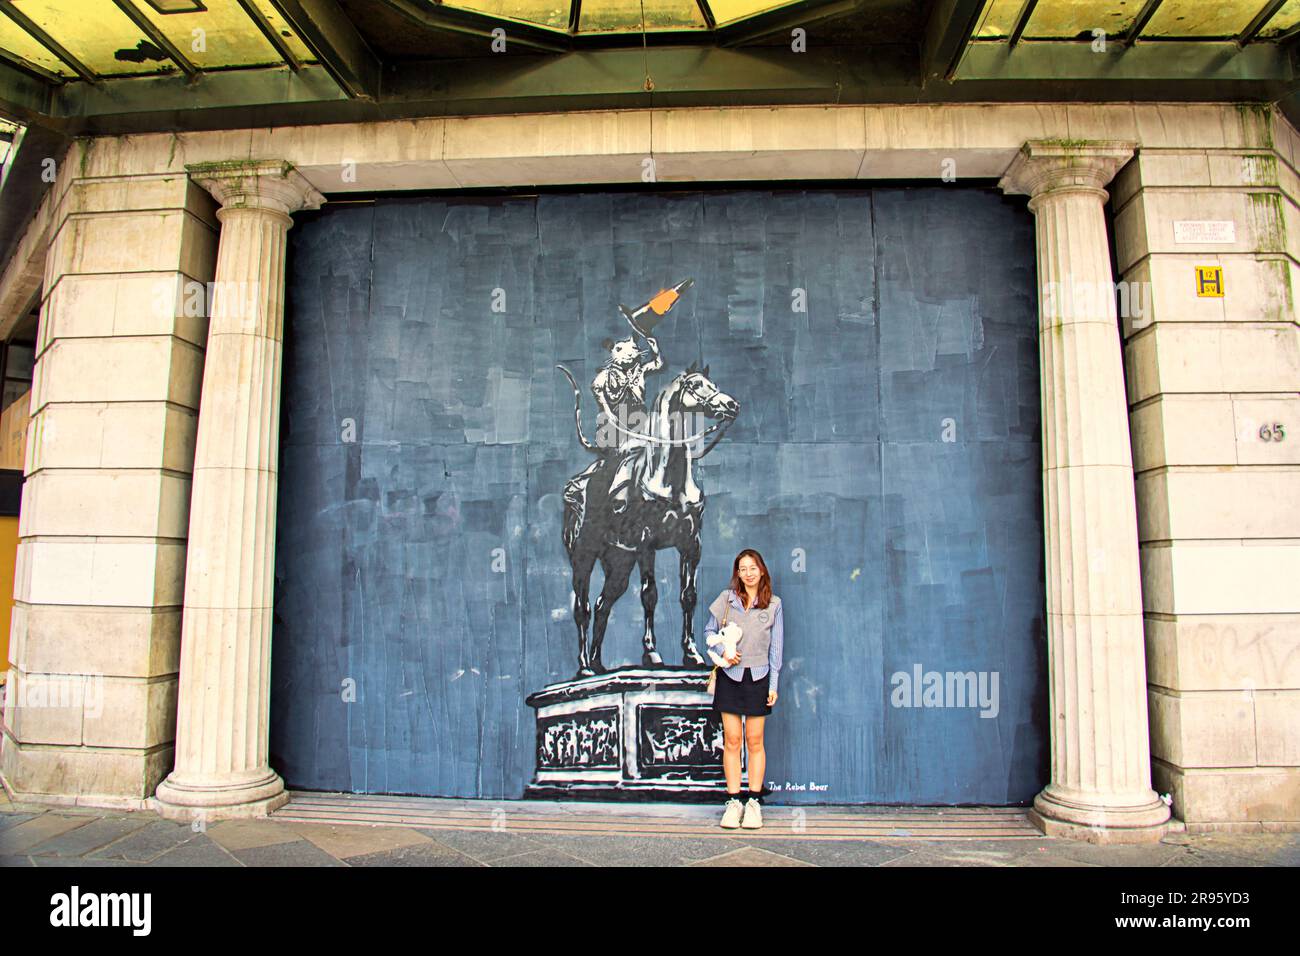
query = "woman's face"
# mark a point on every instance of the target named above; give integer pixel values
(750, 573)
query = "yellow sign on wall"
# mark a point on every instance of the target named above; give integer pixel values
(1209, 282)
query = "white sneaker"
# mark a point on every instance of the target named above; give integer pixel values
(731, 815)
(753, 815)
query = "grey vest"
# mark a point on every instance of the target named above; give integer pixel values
(755, 625)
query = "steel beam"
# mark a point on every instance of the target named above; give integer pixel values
(31, 69)
(23, 96)
(1260, 21)
(26, 181)
(439, 18)
(1140, 23)
(272, 35)
(334, 41)
(705, 11)
(157, 37)
(1171, 70)
(948, 33)
(1022, 21)
(782, 20)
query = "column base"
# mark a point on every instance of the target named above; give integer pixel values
(186, 802)
(1072, 819)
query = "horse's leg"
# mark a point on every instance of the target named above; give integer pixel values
(582, 562)
(617, 564)
(689, 566)
(575, 505)
(649, 598)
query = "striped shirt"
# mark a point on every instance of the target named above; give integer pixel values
(774, 648)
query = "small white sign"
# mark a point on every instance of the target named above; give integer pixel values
(1200, 231)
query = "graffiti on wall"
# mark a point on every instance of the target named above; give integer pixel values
(639, 496)
(849, 383)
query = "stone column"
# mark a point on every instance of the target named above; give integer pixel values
(1101, 764)
(99, 583)
(222, 768)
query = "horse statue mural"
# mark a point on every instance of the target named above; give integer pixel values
(640, 495)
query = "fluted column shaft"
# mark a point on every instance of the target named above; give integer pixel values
(1101, 767)
(222, 732)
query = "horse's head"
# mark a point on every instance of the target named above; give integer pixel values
(699, 395)
(678, 434)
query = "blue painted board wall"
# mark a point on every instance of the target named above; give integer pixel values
(890, 434)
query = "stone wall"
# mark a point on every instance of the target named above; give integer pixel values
(1218, 505)
(101, 559)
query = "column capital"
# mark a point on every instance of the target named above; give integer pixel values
(257, 184)
(1050, 165)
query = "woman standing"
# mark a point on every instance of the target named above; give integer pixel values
(746, 689)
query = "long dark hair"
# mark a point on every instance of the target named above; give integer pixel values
(764, 582)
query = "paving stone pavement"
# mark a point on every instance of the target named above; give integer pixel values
(39, 836)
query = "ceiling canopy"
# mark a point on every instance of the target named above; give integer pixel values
(96, 66)
(90, 40)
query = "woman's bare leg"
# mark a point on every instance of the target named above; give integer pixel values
(757, 755)
(731, 737)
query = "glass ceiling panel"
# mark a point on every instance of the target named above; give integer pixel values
(228, 37)
(93, 33)
(1064, 19)
(290, 38)
(15, 40)
(1173, 19)
(727, 11)
(623, 16)
(1201, 18)
(999, 19)
(1288, 18)
(547, 13)
(95, 30)
(105, 39)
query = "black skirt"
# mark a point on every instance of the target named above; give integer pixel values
(746, 697)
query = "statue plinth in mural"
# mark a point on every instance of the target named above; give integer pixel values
(631, 733)
(650, 730)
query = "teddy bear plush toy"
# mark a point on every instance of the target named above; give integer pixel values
(728, 637)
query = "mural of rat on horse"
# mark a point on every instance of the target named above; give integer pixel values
(639, 500)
